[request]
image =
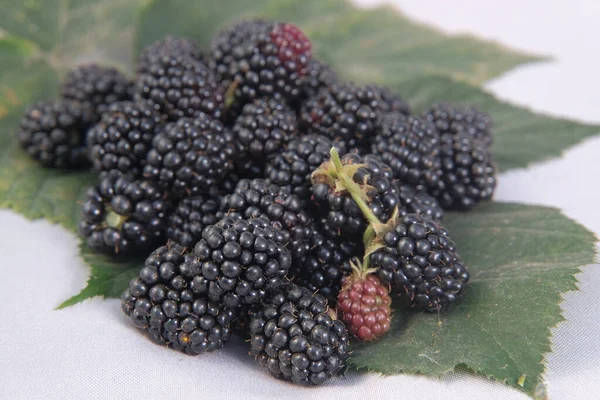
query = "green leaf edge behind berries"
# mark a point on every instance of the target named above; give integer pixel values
(415, 61)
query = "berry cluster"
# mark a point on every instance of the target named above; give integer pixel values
(270, 197)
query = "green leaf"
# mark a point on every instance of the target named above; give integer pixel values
(522, 259)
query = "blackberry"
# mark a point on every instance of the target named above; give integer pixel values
(241, 261)
(456, 120)
(392, 103)
(420, 259)
(467, 174)
(297, 338)
(179, 86)
(292, 168)
(123, 137)
(53, 133)
(260, 59)
(169, 46)
(256, 198)
(163, 301)
(190, 217)
(364, 304)
(344, 111)
(97, 87)
(122, 216)
(318, 76)
(343, 214)
(263, 128)
(415, 200)
(411, 147)
(326, 264)
(190, 156)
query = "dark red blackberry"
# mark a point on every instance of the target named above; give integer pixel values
(260, 59)
(455, 120)
(343, 214)
(344, 111)
(263, 128)
(297, 338)
(468, 174)
(391, 102)
(190, 156)
(415, 200)
(420, 259)
(292, 168)
(53, 133)
(241, 261)
(326, 264)
(190, 217)
(256, 198)
(179, 86)
(122, 216)
(123, 137)
(169, 46)
(163, 301)
(411, 147)
(97, 87)
(318, 76)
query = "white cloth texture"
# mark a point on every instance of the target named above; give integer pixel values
(91, 351)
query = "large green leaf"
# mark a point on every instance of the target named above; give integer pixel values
(521, 259)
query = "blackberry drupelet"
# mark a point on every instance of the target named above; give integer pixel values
(411, 147)
(97, 87)
(297, 338)
(163, 301)
(123, 137)
(190, 217)
(292, 168)
(415, 200)
(241, 261)
(179, 86)
(263, 128)
(420, 259)
(318, 76)
(53, 133)
(257, 58)
(468, 174)
(456, 120)
(392, 103)
(343, 215)
(326, 264)
(344, 111)
(191, 156)
(257, 198)
(122, 216)
(169, 46)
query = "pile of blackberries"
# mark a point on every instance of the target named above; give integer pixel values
(264, 188)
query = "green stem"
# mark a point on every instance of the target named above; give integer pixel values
(353, 188)
(115, 220)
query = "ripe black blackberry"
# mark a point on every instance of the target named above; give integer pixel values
(411, 147)
(122, 216)
(420, 259)
(468, 174)
(123, 137)
(241, 261)
(297, 338)
(53, 133)
(169, 46)
(344, 111)
(318, 76)
(257, 58)
(163, 301)
(179, 86)
(190, 217)
(456, 120)
(392, 103)
(263, 128)
(415, 200)
(326, 264)
(257, 198)
(292, 168)
(190, 156)
(97, 87)
(343, 215)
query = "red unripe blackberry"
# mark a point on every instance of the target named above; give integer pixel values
(364, 304)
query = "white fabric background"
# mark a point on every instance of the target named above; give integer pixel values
(91, 351)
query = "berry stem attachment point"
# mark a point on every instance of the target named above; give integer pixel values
(115, 220)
